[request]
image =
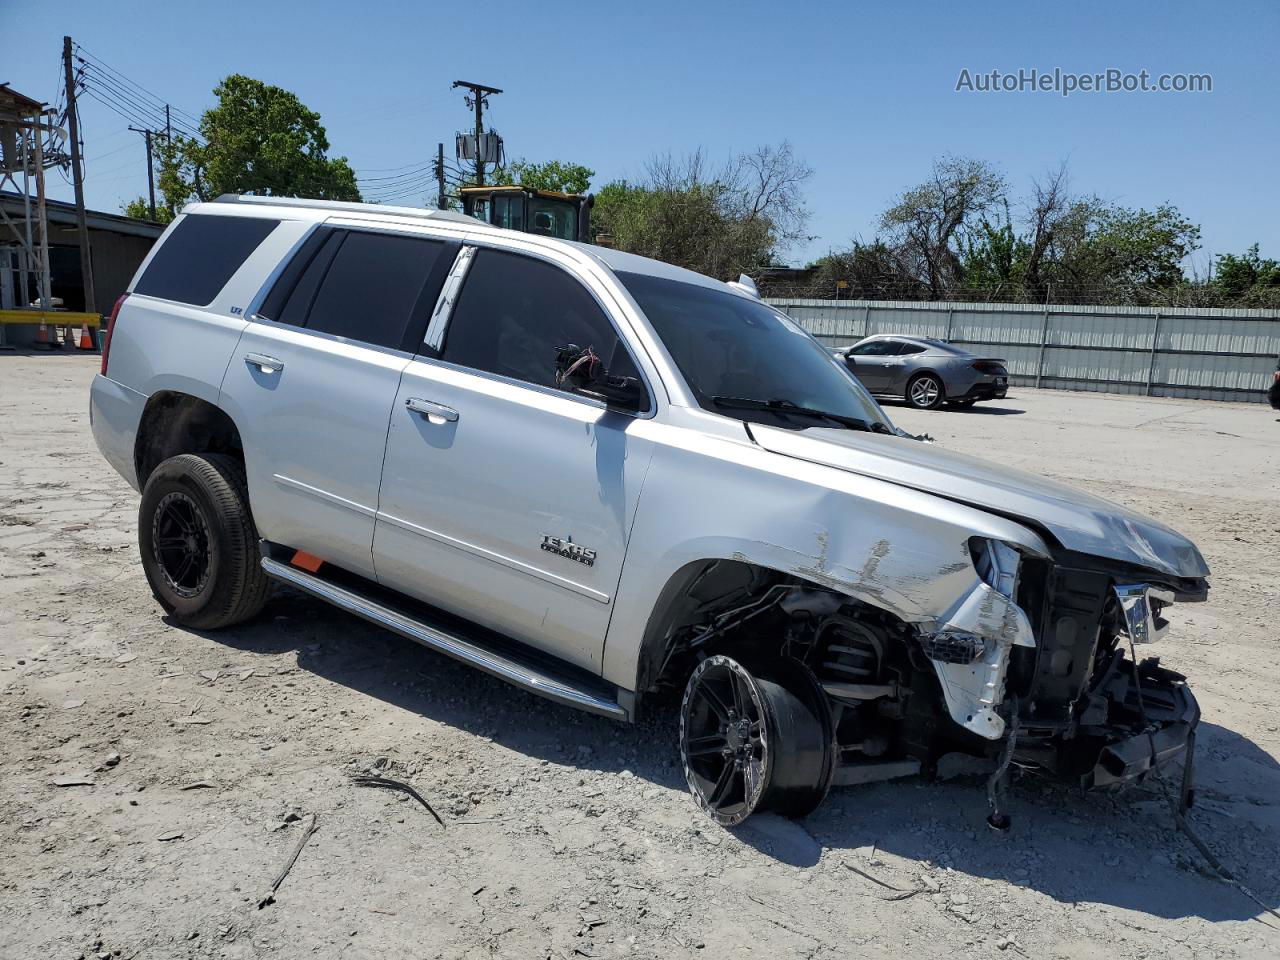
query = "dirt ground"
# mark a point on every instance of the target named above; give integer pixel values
(191, 762)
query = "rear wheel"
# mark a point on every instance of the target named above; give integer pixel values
(755, 741)
(925, 392)
(198, 543)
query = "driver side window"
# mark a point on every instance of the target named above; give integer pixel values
(515, 313)
(876, 348)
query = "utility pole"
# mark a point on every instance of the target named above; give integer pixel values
(151, 176)
(441, 200)
(479, 98)
(42, 223)
(77, 179)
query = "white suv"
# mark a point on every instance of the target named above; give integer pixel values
(597, 476)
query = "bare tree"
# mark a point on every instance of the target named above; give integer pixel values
(722, 222)
(929, 221)
(767, 184)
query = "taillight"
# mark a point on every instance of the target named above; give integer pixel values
(989, 366)
(111, 328)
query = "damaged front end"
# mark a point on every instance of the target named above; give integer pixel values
(1056, 662)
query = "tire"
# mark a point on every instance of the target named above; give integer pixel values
(926, 392)
(198, 543)
(755, 742)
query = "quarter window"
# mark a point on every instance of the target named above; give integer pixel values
(515, 313)
(198, 258)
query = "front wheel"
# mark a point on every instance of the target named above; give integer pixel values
(925, 392)
(198, 543)
(754, 742)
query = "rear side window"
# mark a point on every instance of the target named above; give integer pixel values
(370, 287)
(515, 313)
(198, 258)
(910, 348)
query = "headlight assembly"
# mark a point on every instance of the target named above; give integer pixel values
(997, 563)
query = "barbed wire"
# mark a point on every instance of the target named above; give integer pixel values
(1191, 294)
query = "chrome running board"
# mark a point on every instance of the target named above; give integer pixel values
(523, 675)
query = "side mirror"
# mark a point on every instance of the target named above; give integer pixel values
(579, 369)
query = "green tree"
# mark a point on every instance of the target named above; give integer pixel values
(259, 139)
(1237, 275)
(554, 175)
(1123, 247)
(140, 209)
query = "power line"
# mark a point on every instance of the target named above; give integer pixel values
(131, 98)
(415, 163)
(103, 65)
(401, 176)
(154, 113)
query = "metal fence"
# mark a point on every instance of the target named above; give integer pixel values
(1206, 354)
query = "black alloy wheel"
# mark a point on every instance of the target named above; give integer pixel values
(198, 543)
(180, 543)
(753, 742)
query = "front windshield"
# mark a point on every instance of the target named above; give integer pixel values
(554, 218)
(729, 346)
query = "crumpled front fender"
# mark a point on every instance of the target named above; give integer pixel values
(972, 691)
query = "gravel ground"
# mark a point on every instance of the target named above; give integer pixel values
(155, 780)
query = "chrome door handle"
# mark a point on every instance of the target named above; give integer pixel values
(431, 409)
(263, 362)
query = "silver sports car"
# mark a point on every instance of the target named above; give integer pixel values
(926, 373)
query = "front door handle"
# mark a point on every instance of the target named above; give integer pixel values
(263, 362)
(432, 410)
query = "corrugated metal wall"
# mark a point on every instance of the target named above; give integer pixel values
(1207, 354)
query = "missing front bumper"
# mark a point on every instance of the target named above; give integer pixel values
(1132, 750)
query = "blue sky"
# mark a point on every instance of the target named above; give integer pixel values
(865, 93)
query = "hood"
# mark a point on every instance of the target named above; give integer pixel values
(1079, 521)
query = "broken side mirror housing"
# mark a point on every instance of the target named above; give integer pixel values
(579, 369)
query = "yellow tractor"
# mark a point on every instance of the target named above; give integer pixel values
(566, 216)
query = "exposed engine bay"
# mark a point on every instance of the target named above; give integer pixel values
(1072, 703)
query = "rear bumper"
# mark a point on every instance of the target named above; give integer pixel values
(114, 414)
(1273, 395)
(986, 390)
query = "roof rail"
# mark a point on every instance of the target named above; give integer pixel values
(348, 206)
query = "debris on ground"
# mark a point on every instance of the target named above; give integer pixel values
(310, 828)
(366, 780)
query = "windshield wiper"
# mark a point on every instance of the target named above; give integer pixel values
(788, 408)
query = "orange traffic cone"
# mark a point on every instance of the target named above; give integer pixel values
(42, 337)
(86, 339)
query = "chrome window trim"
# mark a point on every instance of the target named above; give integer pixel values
(433, 339)
(474, 244)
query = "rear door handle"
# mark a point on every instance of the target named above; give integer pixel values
(263, 362)
(432, 410)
